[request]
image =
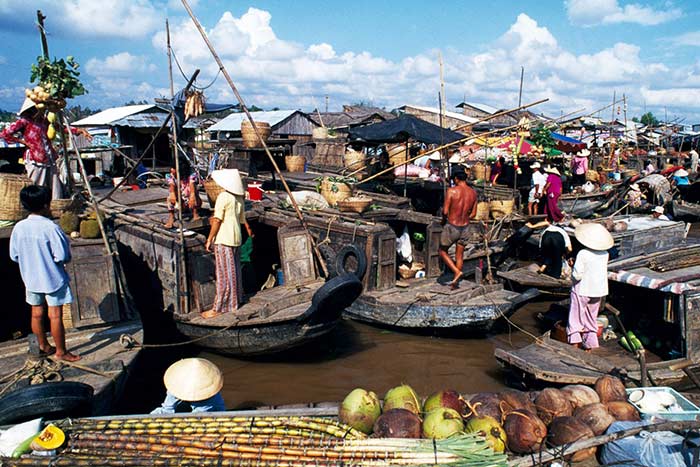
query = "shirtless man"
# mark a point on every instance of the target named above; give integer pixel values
(459, 208)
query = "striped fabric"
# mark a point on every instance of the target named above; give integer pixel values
(229, 287)
(647, 282)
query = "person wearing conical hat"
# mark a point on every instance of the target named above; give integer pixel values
(226, 238)
(590, 284)
(680, 177)
(579, 166)
(193, 382)
(40, 157)
(539, 180)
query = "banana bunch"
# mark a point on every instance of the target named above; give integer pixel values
(194, 104)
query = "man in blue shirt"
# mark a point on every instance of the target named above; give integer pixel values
(41, 249)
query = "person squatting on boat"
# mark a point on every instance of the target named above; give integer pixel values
(458, 209)
(226, 238)
(552, 191)
(40, 156)
(193, 382)
(555, 245)
(42, 250)
(589, 284)
(634, 197)
(188, 194)
(658, 213)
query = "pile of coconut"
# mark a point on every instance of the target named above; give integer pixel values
(522, 422)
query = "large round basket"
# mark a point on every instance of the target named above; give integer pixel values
(213, 189)
(397, 154)
(501, 208)
(482, 211)
(354, 162)
(320, 132)
(354, 204)
(10, 186)
(60, 206)
(335, 191)
(250, 139)
(481, 171)
(295, 163)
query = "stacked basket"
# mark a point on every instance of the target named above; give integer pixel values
(334, 191)
(250, 139)
(397, 154)
(10, 186)
(481, 171)
(501, 207)
(295, 163)
(482, 211)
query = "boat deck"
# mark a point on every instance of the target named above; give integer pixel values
(103, 365)
(469, 293)
(526, 277)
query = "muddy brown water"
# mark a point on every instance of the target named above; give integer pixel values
(353, 355)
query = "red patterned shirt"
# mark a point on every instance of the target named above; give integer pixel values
(39, 148)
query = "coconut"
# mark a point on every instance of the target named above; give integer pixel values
(566, 430)
(514, 399)
(525, 431)
(596, 416)
(486, 404)
(623, 411)
(580, 395)
(489, 428)
(442, 423)
(69, 222)
(610, 389)
(449, 398)
(402, 397)
(360, 409)
(551, 403)
(397, 423)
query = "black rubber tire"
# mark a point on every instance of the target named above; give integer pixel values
(334, 296)
(47, 400)
(342, 256)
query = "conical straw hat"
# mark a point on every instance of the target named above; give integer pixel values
(594, 236)
(193, 379)
(26, 105)
(229, 180)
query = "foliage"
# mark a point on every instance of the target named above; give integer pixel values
(7, 116)
(77, 112)
(133, 102)
(649, 119)
(542, 136)
(58, 77)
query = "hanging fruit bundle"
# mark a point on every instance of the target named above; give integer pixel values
(194, 104)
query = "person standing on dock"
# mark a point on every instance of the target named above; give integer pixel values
(41, 249)
(552, 191)
(590, 285)
(195, 382)
(225, 235)
(458, 209)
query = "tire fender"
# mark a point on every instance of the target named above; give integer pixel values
(346, 252)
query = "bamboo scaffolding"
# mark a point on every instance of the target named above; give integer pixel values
(500, 114)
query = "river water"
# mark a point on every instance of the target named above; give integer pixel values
(353, 355)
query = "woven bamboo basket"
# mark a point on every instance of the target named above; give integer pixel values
(592, 176)
(354, 204)
(397, 154)
(482, 211)
(10, 186)
(335, 191)
(295, 163)
(250, 140)
(213, 190)
(319, 133)
(59, 206)
(501, 208)
(481, 171)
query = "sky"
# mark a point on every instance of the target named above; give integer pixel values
(292, 54)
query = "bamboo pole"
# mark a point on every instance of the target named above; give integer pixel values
(197, 24)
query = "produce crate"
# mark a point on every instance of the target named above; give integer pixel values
(690, 411)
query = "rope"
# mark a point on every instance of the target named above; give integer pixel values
(177, 62)
(128, 341)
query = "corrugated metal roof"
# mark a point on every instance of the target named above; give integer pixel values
(5, 144)
(109, 116)
(435, 110)
(479, 106)
(233, 122)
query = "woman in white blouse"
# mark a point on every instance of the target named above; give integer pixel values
(590, 284)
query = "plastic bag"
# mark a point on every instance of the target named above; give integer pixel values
(14, 436)
(661, 448)
(403, 246)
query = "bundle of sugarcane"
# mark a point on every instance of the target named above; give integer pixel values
(251, 441)
(194, 104)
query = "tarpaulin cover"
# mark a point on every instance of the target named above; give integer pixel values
(401, 129)
(567, 144)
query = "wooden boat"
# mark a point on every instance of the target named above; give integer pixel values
(428, 306)
(525, 277)
(583, 205)
(685, 210)
(270, 320)
(659, 297)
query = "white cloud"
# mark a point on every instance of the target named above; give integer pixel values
(131, 19)
(593, 12)
(121, 64)
(691, 38)
(3, 60)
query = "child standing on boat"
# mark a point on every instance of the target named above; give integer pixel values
(590, 285)
(42, 250)
(225, 235)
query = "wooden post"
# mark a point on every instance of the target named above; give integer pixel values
(299, 214)
(42, 33)
(405, 172)
(520, 93)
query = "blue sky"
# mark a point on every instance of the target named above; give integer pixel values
(290, 54)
